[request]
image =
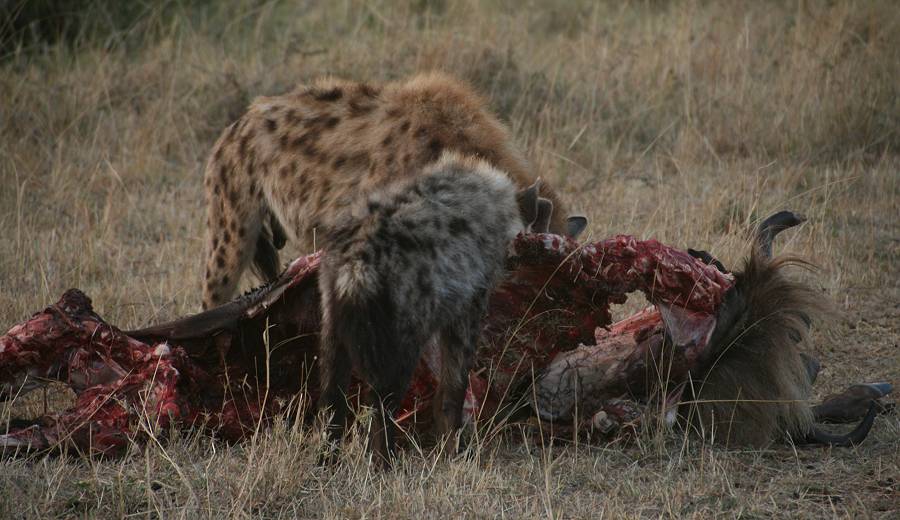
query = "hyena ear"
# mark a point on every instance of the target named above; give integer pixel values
(528, 203)
(544, 212)
(575, 225)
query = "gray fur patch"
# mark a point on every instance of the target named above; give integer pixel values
(413, 262)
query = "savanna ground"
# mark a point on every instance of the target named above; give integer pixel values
(685, 121)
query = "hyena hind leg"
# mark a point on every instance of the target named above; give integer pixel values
(231, 243)
(458, 342)
(334, 378)
(385, 401)
(386, 393)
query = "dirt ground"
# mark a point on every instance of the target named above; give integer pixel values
(686, 122)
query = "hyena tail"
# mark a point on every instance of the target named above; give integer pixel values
(366, 331)
(369, 331)
(272, 237)
(356, 281)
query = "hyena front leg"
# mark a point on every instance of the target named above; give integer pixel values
(234, 221)
(458, 342)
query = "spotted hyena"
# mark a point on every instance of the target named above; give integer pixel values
(292, 162)
(408, 263)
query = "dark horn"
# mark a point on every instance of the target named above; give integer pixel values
(772, 226)
(882, 389)
(859, 434)
(707, 259)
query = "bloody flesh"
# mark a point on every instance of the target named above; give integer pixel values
(549, 325)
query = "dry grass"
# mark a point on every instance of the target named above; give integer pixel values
(686, 122)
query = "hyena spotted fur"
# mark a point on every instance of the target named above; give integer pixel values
(292, 162)
(409, 264)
